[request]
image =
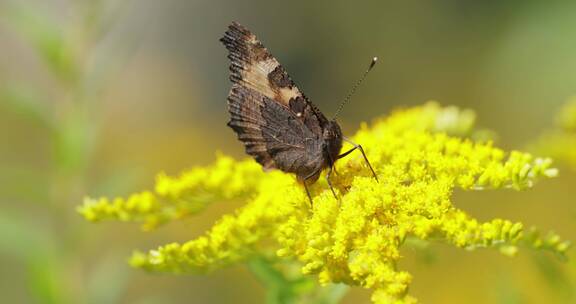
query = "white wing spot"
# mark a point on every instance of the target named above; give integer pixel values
(299, 114)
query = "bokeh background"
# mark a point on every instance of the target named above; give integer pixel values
(97, 96)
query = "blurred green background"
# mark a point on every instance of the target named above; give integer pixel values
(98, 96)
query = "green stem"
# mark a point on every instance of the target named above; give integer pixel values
(279, 289)
(283, 290)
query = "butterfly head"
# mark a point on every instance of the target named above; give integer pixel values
(332, 137)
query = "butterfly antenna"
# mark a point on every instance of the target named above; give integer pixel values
(347, 99)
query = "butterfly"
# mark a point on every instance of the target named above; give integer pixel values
(277, 123)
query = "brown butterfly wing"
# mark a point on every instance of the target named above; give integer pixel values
(272, 134)
(253, 66)
(278, 125)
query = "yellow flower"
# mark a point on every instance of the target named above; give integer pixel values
(355, 240)
(177, 197)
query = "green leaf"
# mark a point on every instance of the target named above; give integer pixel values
(34, 246)
(45, 35)
(26, 102)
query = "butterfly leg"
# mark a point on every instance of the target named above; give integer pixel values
(305, 180)
(309, 196)
(359, 147)
(334, 169)
(330, 182)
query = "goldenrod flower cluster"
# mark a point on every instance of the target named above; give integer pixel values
(177, 197)
(357, 238)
